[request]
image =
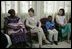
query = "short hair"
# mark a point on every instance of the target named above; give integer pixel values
(49, 16)
(31, 9)
(63, 12)
(11, 10)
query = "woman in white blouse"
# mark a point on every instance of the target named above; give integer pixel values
(65, 27)
(35, 26)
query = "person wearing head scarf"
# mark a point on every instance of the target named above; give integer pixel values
(14, 27)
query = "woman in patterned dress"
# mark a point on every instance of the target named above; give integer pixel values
(14, 27)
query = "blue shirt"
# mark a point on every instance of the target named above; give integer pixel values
(50, 25)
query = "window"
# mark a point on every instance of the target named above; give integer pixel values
(48, 7)
(67, 6)
(2, 6)
(22, 6)
(30, 4)
(15, 6)
(8, 5)
(53, 6)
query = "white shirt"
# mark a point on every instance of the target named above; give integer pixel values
(32, 22)
(60, 19)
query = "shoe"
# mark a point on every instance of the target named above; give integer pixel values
(51, 43)
(56, 43)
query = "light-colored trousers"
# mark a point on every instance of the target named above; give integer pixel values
(52, 33)
(41, 35)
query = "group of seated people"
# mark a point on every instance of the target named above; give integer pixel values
(14, 27)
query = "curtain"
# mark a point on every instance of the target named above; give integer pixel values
(52, 7)
(41, 8)
(20, 7)
(23, 6)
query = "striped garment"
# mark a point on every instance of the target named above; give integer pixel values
(16, 35)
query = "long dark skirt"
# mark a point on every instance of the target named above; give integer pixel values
(18, 37)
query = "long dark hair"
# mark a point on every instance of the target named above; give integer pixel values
(63, 12)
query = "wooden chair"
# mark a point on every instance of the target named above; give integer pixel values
(43, 21)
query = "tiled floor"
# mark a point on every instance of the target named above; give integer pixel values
(63, 44)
